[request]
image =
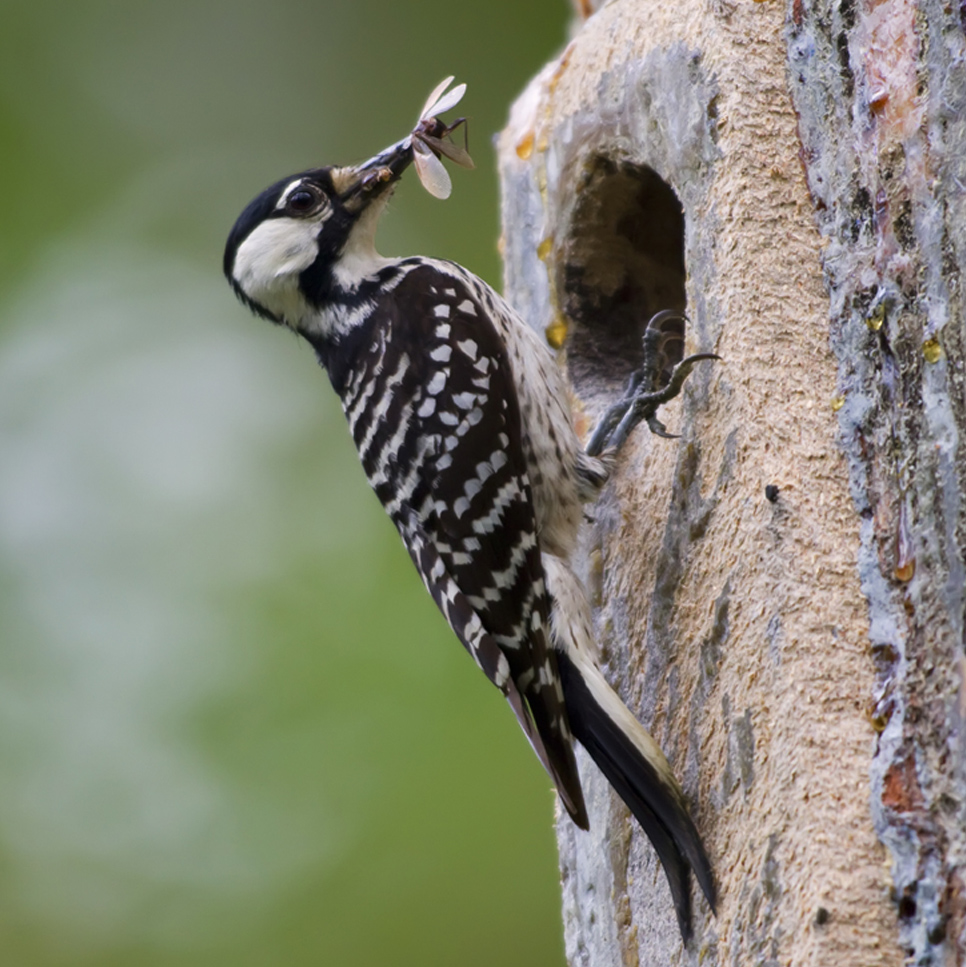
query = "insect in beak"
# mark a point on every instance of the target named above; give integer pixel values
(429, 144)
(425, 147)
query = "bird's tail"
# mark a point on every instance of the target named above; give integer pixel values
(625, 753)
(635, 766)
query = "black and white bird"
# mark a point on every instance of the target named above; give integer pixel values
(462, 421)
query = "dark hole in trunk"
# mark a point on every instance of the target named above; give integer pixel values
(622, 262)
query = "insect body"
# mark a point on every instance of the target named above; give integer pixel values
(462, 422)
(429, 140)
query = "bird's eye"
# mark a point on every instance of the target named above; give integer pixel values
(302, 201)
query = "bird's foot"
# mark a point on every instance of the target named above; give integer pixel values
(643, 396)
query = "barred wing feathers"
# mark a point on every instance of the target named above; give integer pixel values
(433, 410)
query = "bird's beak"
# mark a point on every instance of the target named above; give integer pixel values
(359, 185)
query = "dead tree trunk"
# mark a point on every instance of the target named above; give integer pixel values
(793, 177)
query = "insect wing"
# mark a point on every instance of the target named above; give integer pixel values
(434, 97)
(432, 174)
(449, 101)
(452, 151)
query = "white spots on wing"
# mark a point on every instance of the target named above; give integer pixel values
(443, 330)
(441, 354)
(447, 418)
(525, 680)
(506, 495)
(442, 311)
(498, 460)
(425, 508)
(484, 470)
(444, 462)
(428, 407)
(506, 578)
(468, 347)
(438, 381)
(449, 293)
(465, 401)
(502, 675)
(474, 627)
(467, 308)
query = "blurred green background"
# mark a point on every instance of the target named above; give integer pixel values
(233, 728)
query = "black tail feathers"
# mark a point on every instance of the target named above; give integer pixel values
(642, 779)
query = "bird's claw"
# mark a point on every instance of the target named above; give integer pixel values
(617, 423)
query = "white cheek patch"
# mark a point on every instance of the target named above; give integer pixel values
(268, 264)
(276, 248)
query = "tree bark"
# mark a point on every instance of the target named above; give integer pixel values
(795, 178)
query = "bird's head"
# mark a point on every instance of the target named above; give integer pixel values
(308, 235)
(306, 243)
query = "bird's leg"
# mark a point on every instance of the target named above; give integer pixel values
(643, 397)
